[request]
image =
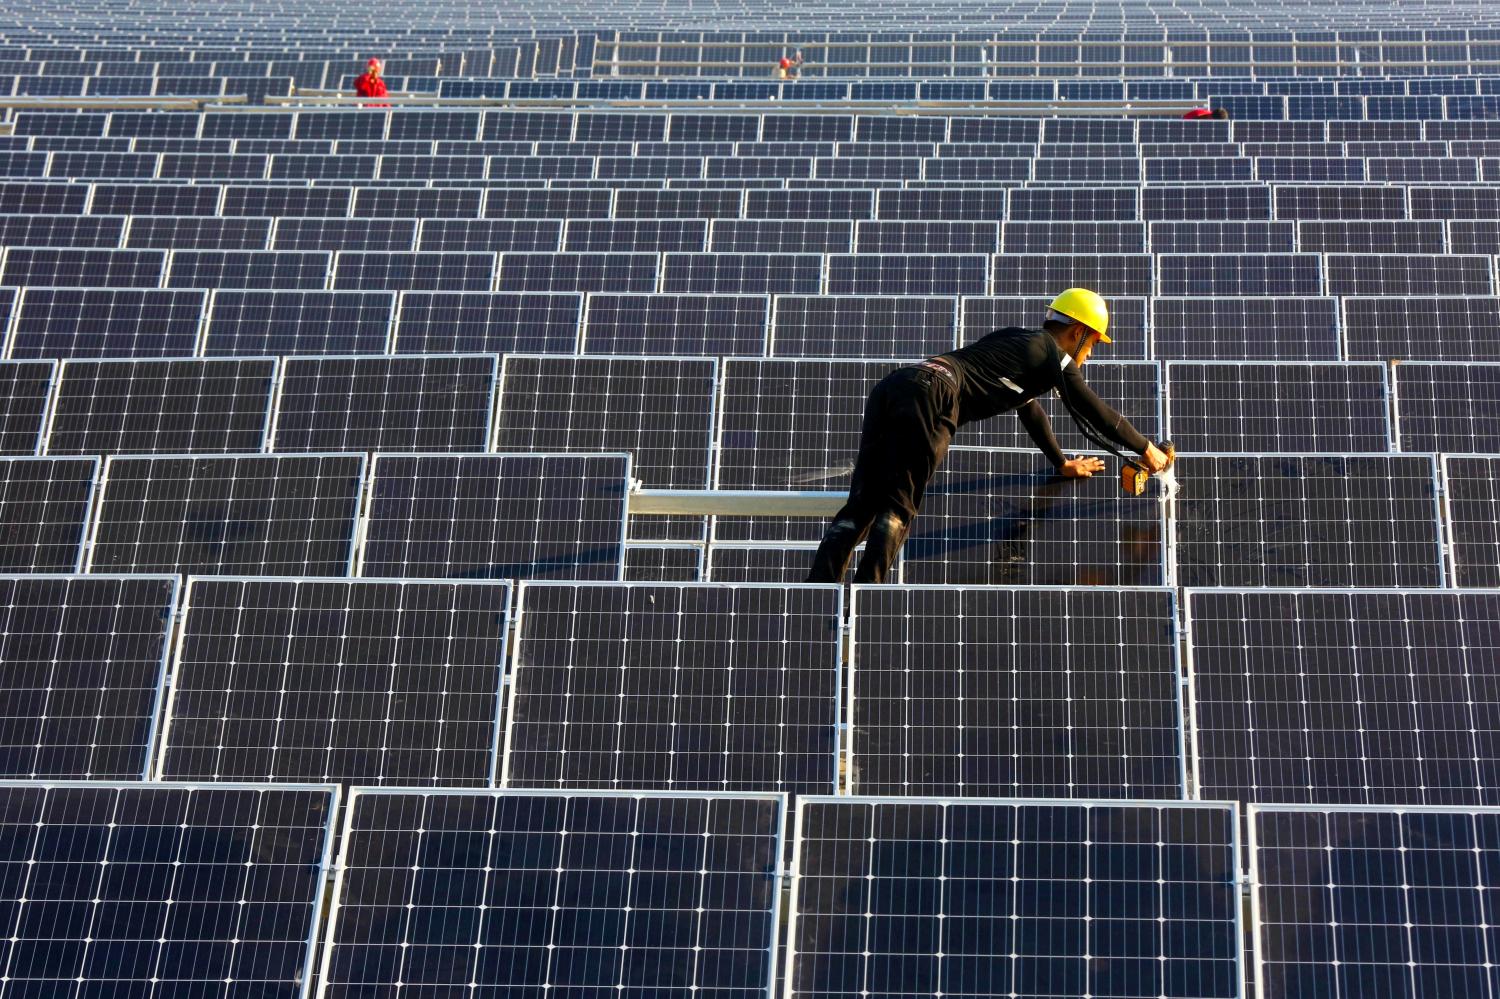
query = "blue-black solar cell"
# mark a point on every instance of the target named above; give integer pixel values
(1074, 204)
(77, 268)
(182, 124)
(520, 203)
(806, 128)
(285, 269)
(810, 204)
(908, 274)
(361, 124)
(611, 127)
(530, 126)
(713, 128)
(862, 326)
(1340, 203)
(80, 231)
(434, 125)
(927, 237)
(423, 203)
(1220, 274)
(276, 202)
(370, 235)
(489, 235)
(19, 197)
(469, 322)
(646, 204)
(25, 387)
(416, 270)
(747, 273)
(292, 166)
(259, 323)
(951, 205)
(619, 272)
(1208, 204)
(676, 325)
(637, 235)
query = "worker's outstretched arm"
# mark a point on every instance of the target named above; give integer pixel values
(1082, 400)
(1034, 418)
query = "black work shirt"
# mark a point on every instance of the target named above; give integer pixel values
(1009, 369)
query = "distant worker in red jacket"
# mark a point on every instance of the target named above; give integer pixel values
(371, 84)
(1206, 113)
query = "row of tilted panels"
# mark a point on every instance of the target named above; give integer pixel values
(234, 890)
(992, 516)
(1366, 696)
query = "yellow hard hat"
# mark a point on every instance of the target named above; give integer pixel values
(1087, 308)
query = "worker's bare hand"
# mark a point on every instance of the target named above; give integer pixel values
(1154, 460)
(1081, 467)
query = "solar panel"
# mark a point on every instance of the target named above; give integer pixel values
(1472, 202)
(1245, 329)
(100, 322)
(1343, 697)
(298, 322)
(994, 516)
(905, 274)
(1310, 169)
(197, 233)
(1472, 511)
(829, 203)
(1474, 236)
(1047, 274)
(1074, 204)
(663, 563)
(1291, 520)
(618, 272)
(45, 504)
(364, 235)
(248, 269)
(1289, 407)
(426, 403)
(456, 322)
(528, 125)
(103, 166)
(1202, 168)
(1068, 693)
(363, 681)
(487, 235)
(1421, 328)
(295, 166)
(287, 201)
(780, 236)
(61, 230)
(665, 894)
(151, 199)
(673, 325)
(43, 267)
(161, 406)
(958, 205)
(637, 235)
(1409, 274)
(128, 887)
(1127, 320)
(85, 661)
(519, 203)
(1289, 274)
(1382, 899)
(415, 271)
(1447, 406)
(926, 237)
(1223, 237)
(599, 700)
(989, 896)
(499, 516)
(1378, 237)
(21, 197)
(763, 563)
(25, 390)
(645, 204)
(1207, 204)
(1074, 237)
(247, 514)
(861, 326)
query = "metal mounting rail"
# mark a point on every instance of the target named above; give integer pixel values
(732, 503)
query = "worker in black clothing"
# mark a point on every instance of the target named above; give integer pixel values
(913, 412)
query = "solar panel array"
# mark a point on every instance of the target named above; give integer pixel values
(339, 665)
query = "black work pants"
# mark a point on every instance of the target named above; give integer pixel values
(909, 421)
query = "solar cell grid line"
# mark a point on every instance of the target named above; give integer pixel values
(418, 271)
(1388, 898)
(431, 402)
(780, 236)
(106, 322)
(191, 232)
(1075, 204)
(150, 199)
(658, 686)
(1046, 273)
(1248, 329)
(687, 883)
(25, 398)
(486, 322)
(46, 503)
(1127, 320)
(181, 888)
(1409, 274)
(1294, 520)
(1000, 896)
(161, 405)
(1471, 513)
(77, 268)
(835, 326)
(366, 235)
(1369, 697)
(814, 203)
(86, 661)
(255, 323)
(908, 273)
(82, 231)
(1053, 692)
(258, 269)
(1427, 328)
(1205, 203)
(288, 201)
(226, 515)
(22, 197)
(1476, 201)
(1249, 275)
(636, 235)
(664, 563)
(496, 516)
(348, 681)
(489, 235)
(1278, 406)
(1447, 406)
